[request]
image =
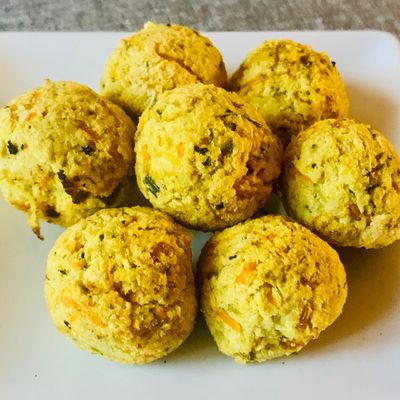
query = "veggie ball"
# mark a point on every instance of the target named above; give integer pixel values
(119, 283)
(292, 85)
(268, 286)
(205, 157)
(64, 153)
(156, 59)
(342, 180)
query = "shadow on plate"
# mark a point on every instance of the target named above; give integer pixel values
(372, 107)
(200, 346)
(373, 277)
(137, 198)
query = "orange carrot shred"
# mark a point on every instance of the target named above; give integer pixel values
(229, 320)
(246, 271)
(77, 265)
(91, 316)
(145, 154)
(181, 149)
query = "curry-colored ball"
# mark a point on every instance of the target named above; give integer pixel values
(292, 86)
(119, 284)
(342, 180)
(65, 152)
(158, 58)
(268, 286)
(205, 157)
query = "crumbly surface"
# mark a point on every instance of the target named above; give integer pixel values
(64, 152)
(268, 286)
(292, 86)
(342, 180)
(119, 283)
(205, 157)
(159, 58)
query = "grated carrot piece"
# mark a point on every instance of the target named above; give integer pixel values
(181, 149)
(77, 265)
(91, 316)
(254, 82)
(145, 153)
(43, 182)
(95, 319)
(229, 320)
(20, 206)
(70, 303)
(161, 313)
(30, 116)
(246, 271)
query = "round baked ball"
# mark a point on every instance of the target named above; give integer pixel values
(205, 157)
(268, 286)
(119, 283)
(159, 58)
(64, 153)
(292, 86)
(342, 180)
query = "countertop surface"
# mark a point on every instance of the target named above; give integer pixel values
(217, 15)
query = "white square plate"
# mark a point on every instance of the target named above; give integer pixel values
(358, 357)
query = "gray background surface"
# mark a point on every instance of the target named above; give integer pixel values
(217, 15)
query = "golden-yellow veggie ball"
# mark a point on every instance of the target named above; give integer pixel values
(205, 157)
(342, 180)
(159, 58)
(268, 286)
(119, 283)
(292, 86)
(64, 153)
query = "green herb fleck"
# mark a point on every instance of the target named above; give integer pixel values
(63, 271)
(201, 150)
(225, 114)
(51, 212)
(207, 162)
(232, 257)
(101, 237)
(257, 124)
(372, 187)
(61, 175)
(67, 324)
(96, 351)
(12, 148)
(305, 61)
(232, 126)
(151, 185)
(227, 147)
(220, 206)
(87, 150)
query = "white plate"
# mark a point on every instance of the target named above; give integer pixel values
(356, 358)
